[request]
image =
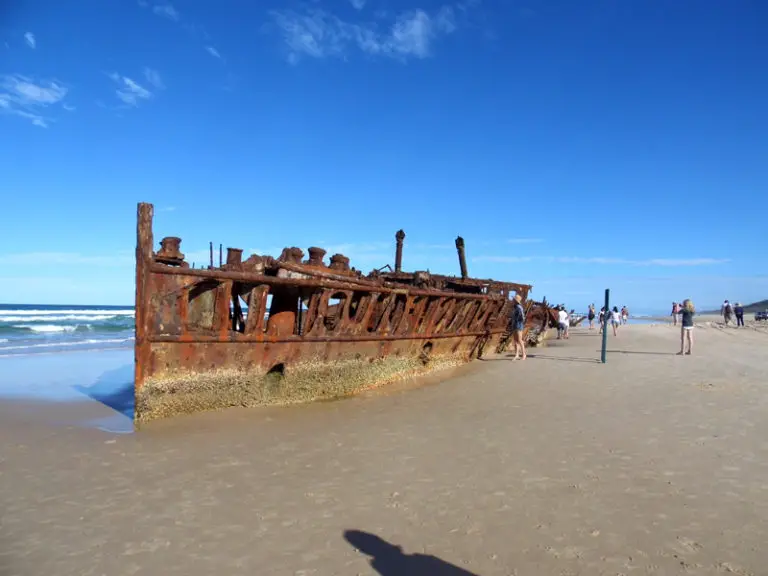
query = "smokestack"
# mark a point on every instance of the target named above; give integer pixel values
(462, 256)
(399, 237)
(234, 256)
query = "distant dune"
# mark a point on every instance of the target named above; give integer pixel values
(748, 309)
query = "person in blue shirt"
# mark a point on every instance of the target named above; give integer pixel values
(738, 310)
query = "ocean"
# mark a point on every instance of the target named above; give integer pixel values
(35, 329)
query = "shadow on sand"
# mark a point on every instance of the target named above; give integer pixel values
(564, 358)
(389, 560)
(114, 389)
(639, 352)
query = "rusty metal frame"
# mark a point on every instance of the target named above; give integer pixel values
(192, 320)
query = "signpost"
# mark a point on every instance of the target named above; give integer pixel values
(605, 324)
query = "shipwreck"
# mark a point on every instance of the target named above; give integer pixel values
(265, 330)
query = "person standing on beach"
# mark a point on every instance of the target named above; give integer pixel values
(686, 332)
(615, 320)
(739, 311)
(591, 316)
(727, 312)
(562, 323)
(675, 312)
(624, 314)
(601, 320)
(518, 324)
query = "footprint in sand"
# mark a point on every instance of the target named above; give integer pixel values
(686, 545)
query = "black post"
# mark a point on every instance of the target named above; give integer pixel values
(210, 246)
(605, 324)
(220, 255)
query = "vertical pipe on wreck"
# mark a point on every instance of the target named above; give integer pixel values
(399, 237)
(210, 247)
(144, 244)
(221, 255)
(462, 257)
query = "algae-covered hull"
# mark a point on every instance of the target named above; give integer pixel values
(278, 330)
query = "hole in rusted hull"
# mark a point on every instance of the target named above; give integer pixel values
(426, 353)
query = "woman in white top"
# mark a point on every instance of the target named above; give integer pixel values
(563, 321)
(615, 320)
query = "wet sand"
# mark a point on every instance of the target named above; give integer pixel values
(650, 464)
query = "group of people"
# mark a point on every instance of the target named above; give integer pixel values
(615, 316)
(728, 312)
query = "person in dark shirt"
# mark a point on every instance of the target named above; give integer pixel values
(738, 310)
(591, 316)
(518, 325)
(687, 310)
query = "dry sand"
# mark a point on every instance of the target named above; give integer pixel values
(650, 464)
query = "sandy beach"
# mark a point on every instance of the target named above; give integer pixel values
(650, 464)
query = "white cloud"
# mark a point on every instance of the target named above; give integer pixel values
(643, 262)
(664, 262)
(213, 52)
(129, 91)
(28, 98)
(167, 11)
(320, 34)
(357, 4)
(153, 77)
(524, 241)
(68, 107)
(29, 38)
(66, 259)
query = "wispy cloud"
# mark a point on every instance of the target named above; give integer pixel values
(130, 92)
(357, 4)
(525, 241)
(166, 11)
(503, 259)
(320, 34)
(213, 52)
(663, 262)
(153, 77)
(28, 98)
(29, 38)
(124, 258)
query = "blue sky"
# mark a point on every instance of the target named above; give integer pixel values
(574, 145)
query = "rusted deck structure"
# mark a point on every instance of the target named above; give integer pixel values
(273, 330)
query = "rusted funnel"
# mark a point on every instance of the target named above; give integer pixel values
(399, 237)
(462, 256)
(234, 256)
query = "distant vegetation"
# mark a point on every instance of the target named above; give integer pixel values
(756, 306)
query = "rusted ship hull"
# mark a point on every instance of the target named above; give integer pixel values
(266, 331)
